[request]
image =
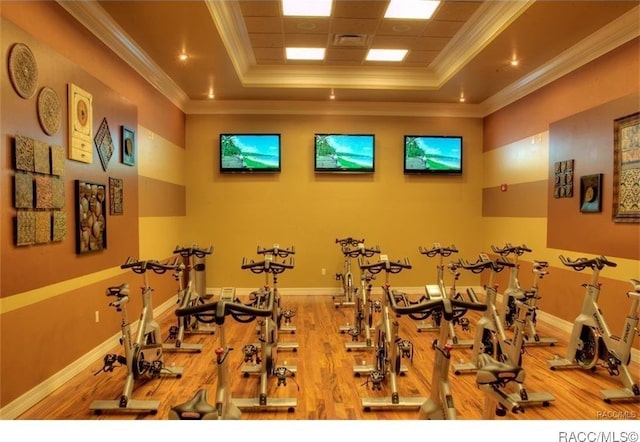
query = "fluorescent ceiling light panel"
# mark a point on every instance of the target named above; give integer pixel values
(411, 9)
(307, 8)
(305, 53)
(386, 54)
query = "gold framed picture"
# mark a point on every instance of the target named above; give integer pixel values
(626, 169)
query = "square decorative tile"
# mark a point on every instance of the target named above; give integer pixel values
(43, 227)
(25, 228)
(23, 190)
(41, 157)
(59, 225)
(43, 192)
(57, 192)
(24, 153)
(58, 157)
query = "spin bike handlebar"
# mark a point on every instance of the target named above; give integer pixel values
(194, 250)
(386, 265)
(277, 251)
(223, 308)
(142, 266)
(344, 242)
(579, 264)
(510, 248)
(267, 265)
(427, 305)
(484, 263)
(437, 249)
(360, 250)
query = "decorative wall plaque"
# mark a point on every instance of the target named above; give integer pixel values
(116, 206)
(41, 157)
(80, 124)
(25, 228)
(104, 144)
(24, 153)
(44, 197)
(626, 168)
(23, 70)
(23, 191)
(43, 227)
(563, 179)
(128, 146)
(59, 227)
(49, 111)
(57, 192)
(57, 160)
(91, 221)
(591, 193)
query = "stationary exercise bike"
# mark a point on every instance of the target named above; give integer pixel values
(365, 306)
(198, 407)
(349, 289)
(440, 404)
(143, 355)
(591, 340)
(438, 291)
(261, 358)
(187, 297)
(490, 337)
(389, 348)
(508, 311)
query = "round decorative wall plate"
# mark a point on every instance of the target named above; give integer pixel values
(23, 70)
(49, 112)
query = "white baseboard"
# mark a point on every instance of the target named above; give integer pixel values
(18, 406)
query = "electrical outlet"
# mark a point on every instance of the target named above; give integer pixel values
(323, 272)
(97, 316)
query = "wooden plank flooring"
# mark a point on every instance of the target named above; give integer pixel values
(325, 386)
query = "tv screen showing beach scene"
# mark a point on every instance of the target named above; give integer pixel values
(344, 153)
(432, 154)
(249, 153)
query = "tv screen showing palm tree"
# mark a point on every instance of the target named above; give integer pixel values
(250, 153)
(344, 153)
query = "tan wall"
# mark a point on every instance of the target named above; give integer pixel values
(236, 213)
(571, 118)
(48, 294)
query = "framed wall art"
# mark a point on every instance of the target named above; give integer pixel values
(563, 179)
(116, 205)
(591, 193)
(128, 144)
(91, 220)
(104, 144)
(626, 169)
(80, 124)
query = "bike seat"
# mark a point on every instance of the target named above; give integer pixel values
(198, 408)
(495, 372)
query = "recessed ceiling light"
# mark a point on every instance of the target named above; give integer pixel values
(315, 8)
(386, 54)
(332, 96)
(411, 9)
(462, 99)
(514, 62)
(305, 53)
(183, 57)
(211, 94)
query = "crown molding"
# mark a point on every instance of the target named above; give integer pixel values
(617, 33)
(97, 21)
(482, 28)
(341, 108)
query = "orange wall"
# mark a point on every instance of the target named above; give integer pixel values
(48, 294)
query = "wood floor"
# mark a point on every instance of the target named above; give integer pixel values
(325, 385)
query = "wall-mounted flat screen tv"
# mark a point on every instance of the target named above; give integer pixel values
(432, 154)
(249, 153)
(345, 153)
